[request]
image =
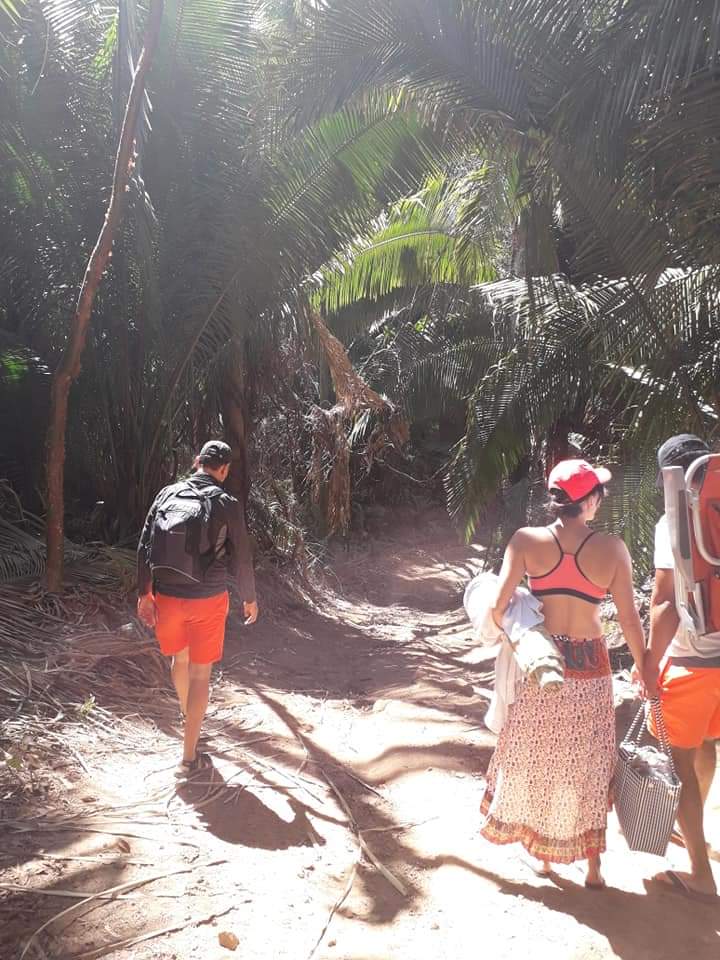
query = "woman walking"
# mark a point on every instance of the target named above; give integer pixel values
(548, 783)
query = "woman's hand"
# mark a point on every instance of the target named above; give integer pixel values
(646, 676)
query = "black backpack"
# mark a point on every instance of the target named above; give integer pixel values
(180, 547)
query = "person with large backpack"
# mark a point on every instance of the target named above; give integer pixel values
(194, 538)
(682, 662)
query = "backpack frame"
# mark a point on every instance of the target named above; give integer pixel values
(692, 507)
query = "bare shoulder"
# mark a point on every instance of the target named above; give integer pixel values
(609, 543)
(526, 536)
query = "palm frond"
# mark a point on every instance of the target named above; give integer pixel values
(416, 244)
(446, 376)
(615, 235)
(437, 49)
(21, 554)
(588, 356)
(648, 50)
(633, 506)
(11, 10)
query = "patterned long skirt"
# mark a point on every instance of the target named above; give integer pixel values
(549, 779)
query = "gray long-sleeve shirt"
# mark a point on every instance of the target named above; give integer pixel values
(235, 560)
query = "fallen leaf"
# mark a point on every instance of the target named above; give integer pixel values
(228, 940)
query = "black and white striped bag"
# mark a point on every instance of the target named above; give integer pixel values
(645, 803)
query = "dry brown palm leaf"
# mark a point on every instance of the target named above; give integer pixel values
(330, 479)
(351, 391)
(69, 673)
(22, 548)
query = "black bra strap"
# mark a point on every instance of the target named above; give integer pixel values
(591, 534)
(552, 534)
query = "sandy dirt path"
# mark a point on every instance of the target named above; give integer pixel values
(342, 734)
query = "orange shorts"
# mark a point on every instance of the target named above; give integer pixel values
(690, 698)
(196, 624)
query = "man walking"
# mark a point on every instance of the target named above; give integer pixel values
(193, 539)
(684, 670)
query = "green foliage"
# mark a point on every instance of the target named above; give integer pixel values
(11, 9)
(507, 208)
(604, 116)
(420, 240)
(12, 367)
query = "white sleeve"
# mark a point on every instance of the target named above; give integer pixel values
(663, 548)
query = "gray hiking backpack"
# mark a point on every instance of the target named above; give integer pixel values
(180, 549)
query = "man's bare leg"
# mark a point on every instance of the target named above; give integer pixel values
(705, 766)
(180, 677)
(690, 818)
(197, 701)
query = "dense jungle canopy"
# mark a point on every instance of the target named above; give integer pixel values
(386, 247)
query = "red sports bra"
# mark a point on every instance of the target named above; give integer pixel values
(566, 578)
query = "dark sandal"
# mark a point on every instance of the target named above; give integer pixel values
(676, 884)
(190, 768)
(592, 885)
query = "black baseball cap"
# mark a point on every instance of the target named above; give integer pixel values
(680, 451)
(215, 451)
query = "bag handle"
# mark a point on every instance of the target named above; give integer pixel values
(630, 735)
(656, 707)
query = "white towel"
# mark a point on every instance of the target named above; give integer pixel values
(523, 612)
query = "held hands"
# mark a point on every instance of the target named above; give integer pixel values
(146, 609)
(647, 677)
(650, 679)
(250, 612)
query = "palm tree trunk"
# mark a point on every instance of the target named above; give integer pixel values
(69, 366)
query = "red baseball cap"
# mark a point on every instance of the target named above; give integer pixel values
(577, 478)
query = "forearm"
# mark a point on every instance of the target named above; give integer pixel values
(246, 581)
(506, 591)
(241, 561)
(511, 573)
(634, 637)
(498, 612)
(144, 574)
(664, 622)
